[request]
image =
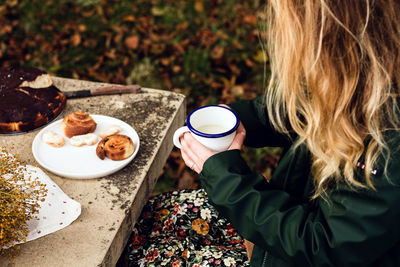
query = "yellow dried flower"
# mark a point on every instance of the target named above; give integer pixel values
(19, 202)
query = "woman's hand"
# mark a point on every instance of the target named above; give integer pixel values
(195, 154)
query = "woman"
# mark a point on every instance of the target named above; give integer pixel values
(332, 103)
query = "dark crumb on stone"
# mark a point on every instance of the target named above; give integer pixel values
(125, 205)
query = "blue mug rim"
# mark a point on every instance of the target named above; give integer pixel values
(193, 130)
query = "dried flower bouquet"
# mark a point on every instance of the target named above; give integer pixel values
(20, 195)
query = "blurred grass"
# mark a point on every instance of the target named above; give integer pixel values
(208, 50)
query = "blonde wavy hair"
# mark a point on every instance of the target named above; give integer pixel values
(335, 75)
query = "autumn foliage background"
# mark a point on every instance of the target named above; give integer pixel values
(209, 50)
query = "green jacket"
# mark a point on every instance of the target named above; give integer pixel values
(352, 228)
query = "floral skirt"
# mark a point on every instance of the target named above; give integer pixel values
(181, 228)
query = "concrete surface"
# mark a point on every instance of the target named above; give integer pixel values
(112, 204)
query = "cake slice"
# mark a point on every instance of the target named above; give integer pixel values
(28, 99)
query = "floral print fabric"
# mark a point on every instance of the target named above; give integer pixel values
(181, 228)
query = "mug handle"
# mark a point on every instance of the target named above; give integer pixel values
(178, 134)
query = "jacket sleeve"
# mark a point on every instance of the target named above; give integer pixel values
(259, 132)
(352, 228)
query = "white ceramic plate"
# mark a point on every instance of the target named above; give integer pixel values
(81, 162)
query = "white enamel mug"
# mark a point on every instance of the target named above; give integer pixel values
(213, 126)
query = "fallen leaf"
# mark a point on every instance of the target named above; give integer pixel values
(261, 56)
(165, 61)
(6, 29)
(129, 18)
(217, 52)
(132, 42)
(237, 90)
(110, 54)
(237, 45)
(249, 63)
(176, 68)
(199, 6)
(250, 19)
(76, 39)
(125, 62)
(82, 27)
(158, 11)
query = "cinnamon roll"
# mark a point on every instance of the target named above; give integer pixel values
(78, 123)
(115, 147)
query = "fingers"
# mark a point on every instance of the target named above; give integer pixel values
(223, 105)
(194, 152)
(237, 142)
(188, 155)
(190, 162)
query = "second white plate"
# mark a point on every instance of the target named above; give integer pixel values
(81, 162)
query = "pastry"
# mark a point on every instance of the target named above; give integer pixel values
(113, 129)
(85, 139)
(53, 139)
(78, 123)
(28, 99)
(115, 147)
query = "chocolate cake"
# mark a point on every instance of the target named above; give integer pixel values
(28, 99)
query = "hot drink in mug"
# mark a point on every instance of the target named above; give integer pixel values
(213, 126)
